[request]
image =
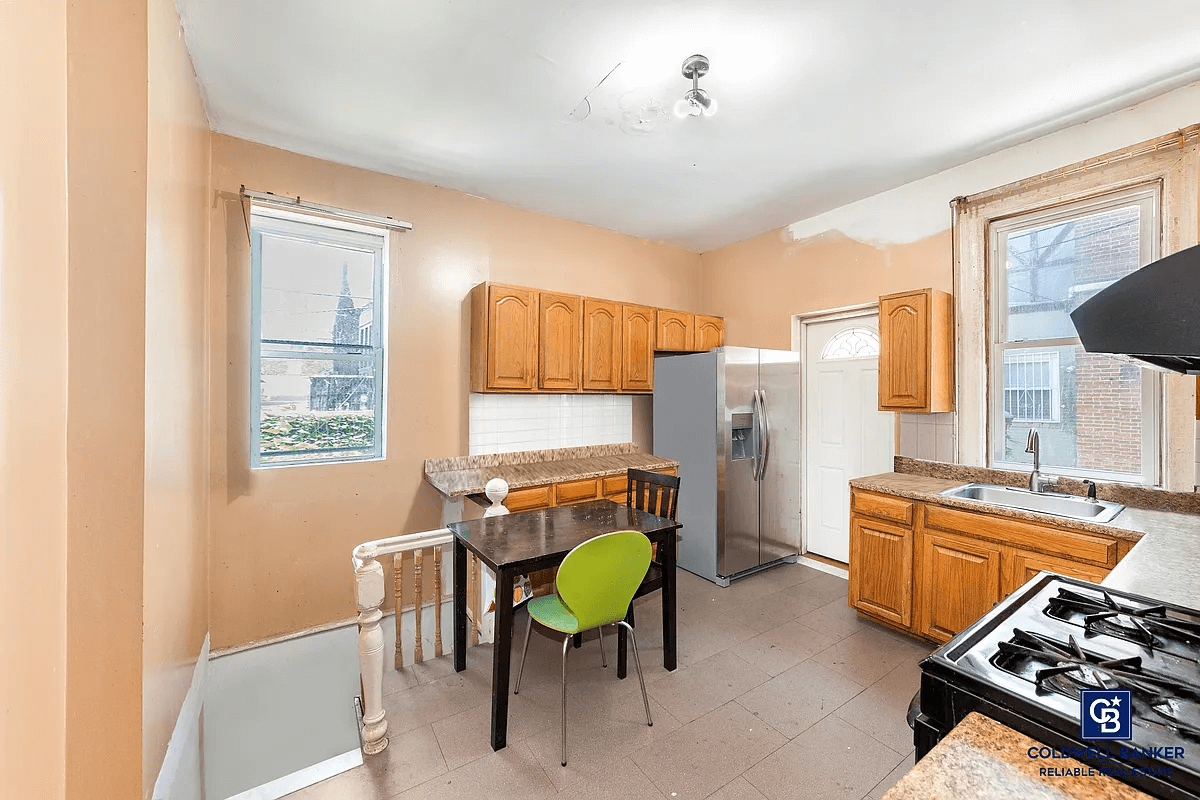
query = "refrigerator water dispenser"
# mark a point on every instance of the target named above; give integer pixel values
(741, 433)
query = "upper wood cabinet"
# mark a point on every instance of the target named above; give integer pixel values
(560, 326)
(637, 348)
(676, 331)
(710, 332)
(504, 338)
(916, 358)
(601, 345)
(526, 340)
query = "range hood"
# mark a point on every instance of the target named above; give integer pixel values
(1151, 315)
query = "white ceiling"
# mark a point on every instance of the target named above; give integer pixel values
(821, 102)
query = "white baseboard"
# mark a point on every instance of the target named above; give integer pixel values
(187, 728)
(823, 567)
(281, 787)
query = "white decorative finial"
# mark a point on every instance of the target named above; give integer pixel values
(496, 490)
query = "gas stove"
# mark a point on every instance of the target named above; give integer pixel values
(1028, 662)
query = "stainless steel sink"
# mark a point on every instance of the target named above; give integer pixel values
(1060, 505)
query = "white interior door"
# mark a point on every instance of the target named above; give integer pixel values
(845, 434)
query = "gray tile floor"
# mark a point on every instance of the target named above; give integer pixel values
(781, 692)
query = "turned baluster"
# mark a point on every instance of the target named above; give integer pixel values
(398, 569)
(369, 591)
(418, 564)
(437, 601)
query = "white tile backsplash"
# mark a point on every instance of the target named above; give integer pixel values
(928, 436)
(505, 423)
(1197, 452)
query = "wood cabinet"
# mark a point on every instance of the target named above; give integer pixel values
(637, 348)
(958, 582)
(883, 586)
(560, 327)
(932, 570)
(504, 338)
(916, 355)
(576, 491)
(1023, 566)
(601, 345)
(676, 331)
(710, 332)
(526, 340)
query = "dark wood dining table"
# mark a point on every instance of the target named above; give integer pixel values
(515, 544)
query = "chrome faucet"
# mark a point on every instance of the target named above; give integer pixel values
(1037, 481)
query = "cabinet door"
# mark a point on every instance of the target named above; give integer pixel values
(710, 333)
(881, 574)
(958, 582)
(904, 351)
(512, 338)
(676, 331)
(1023, 566)
(637, 348)
(560, 328)
(601, 345)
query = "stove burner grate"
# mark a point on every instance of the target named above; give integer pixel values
(1150, 626)
(1066, 669)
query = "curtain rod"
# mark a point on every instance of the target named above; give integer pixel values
(295, 203)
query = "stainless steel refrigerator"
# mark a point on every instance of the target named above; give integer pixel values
(731, 418)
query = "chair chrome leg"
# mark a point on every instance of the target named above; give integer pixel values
(566, 649)
(524, 656)
(637, 662)
(603, 658)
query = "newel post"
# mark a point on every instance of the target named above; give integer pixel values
(368, 581)
(496, 490)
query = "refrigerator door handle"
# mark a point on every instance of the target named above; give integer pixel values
(765, 424)
(756, 469)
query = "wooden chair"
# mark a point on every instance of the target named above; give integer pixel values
(653, 492)
(658, 494)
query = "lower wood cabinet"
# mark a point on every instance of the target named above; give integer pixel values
(885, 590)
(932, 570)
(959, 582)
(1023, 566)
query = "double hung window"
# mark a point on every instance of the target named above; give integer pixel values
(1096, 416)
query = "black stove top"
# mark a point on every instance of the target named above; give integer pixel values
(1027, 662)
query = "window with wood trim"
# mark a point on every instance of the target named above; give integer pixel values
(1096, 416)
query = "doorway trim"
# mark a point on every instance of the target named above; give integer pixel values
(800, 323)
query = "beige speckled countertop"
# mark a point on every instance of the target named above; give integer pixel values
(465, 475)
(1164, 564)
(981, 758)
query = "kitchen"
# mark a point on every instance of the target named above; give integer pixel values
(911, 233)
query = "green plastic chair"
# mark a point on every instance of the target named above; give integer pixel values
(596, 583)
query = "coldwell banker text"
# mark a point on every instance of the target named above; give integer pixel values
(1109, 754)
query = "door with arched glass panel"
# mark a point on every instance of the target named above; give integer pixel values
(845, 434)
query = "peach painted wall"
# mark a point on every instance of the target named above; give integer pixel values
(33, 399)
(821, 272)
(175, 565)
(106, 373)
(281, 538)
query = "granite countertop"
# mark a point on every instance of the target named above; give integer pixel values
(1164, 564)
(981, 758)
(465, 475)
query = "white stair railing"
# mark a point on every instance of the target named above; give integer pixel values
(369, 595)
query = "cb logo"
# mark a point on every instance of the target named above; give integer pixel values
(1106, 714)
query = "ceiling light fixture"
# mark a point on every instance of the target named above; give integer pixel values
(696, 101)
